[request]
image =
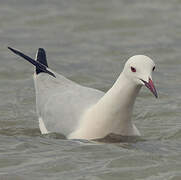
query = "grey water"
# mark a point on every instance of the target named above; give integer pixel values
(89, 41)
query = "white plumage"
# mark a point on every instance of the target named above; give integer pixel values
(81, 112)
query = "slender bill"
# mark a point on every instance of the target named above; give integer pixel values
(150, 86)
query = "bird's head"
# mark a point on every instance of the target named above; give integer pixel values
(139, 69)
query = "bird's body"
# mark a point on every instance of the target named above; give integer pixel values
(61, 102)
(81, 112)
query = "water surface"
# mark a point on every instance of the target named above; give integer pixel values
(88, 42)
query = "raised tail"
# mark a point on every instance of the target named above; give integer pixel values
(41, 63)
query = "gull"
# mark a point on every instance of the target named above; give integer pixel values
(80, 112)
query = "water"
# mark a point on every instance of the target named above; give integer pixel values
(89, 41)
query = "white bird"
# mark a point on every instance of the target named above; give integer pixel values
(80, 112)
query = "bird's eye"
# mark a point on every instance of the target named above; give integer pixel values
(153, 68)
(133, 69)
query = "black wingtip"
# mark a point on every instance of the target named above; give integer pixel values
(37, 64)
(13, 50)
(41, 52)
(41, 49)
(41, 57)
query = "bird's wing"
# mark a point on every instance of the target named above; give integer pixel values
(61, 102)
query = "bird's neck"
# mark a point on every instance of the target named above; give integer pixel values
(122, 94)
(120, 97)
(112, 113)
(115, 108)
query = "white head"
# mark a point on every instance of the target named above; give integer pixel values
(139, 70)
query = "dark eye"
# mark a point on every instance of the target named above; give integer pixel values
(153, 68)
(133, 69)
